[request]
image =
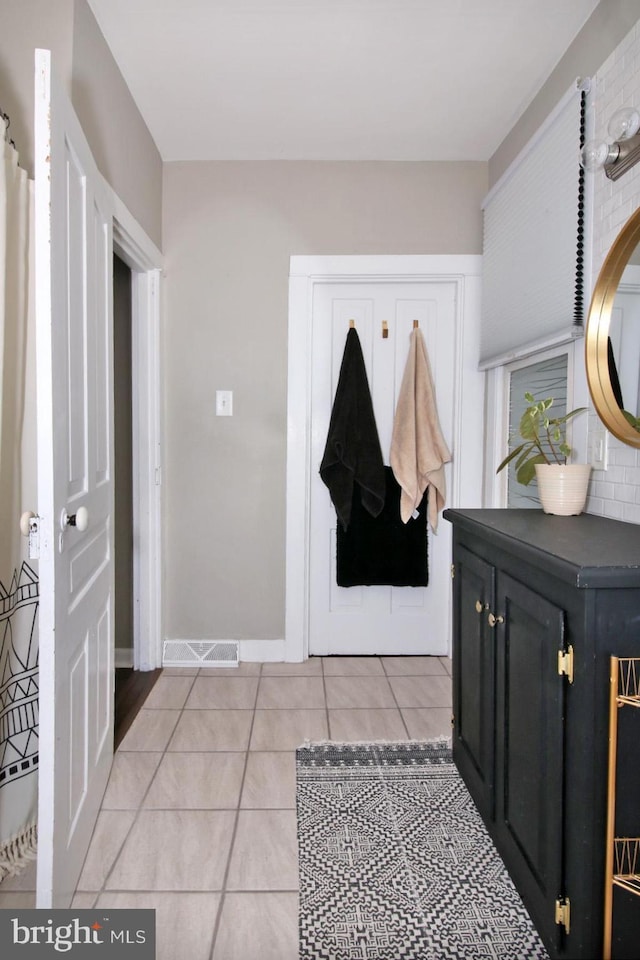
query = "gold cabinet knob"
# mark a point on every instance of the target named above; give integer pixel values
(493, 620)
(479, 607)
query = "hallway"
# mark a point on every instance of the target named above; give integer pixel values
(198, 820)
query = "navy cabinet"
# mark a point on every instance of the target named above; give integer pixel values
(539, 605)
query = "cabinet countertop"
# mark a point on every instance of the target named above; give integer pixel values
(587, 551)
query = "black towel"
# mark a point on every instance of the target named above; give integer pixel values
(383, 549)
(613, 374)
(352, 455)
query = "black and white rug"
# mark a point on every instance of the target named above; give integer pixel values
(395, 861)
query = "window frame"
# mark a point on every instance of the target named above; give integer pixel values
(497, 407)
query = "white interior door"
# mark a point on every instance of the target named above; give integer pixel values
(73, 223)
(377, 619)
(624, 331)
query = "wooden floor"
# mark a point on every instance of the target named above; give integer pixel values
(132, 689)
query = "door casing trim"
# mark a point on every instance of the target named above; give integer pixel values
(136, 249)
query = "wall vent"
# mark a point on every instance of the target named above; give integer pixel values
(201, 653)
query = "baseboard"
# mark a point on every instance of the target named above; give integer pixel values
(123, 657)
(262, 651)
(249, 651)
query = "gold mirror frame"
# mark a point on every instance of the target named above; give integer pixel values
(596, 341)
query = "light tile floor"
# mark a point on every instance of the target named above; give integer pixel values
(198, 820)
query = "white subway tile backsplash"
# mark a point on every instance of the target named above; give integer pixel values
(606, 69)
(622, 456)
(607, 208)
(614, 475)
(625, 49)
(613, 510)
(604, 490)
(632, 478)
(631, 513)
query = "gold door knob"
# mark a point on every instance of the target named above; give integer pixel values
(493, 620)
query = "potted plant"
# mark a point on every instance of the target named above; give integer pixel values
(543, 454)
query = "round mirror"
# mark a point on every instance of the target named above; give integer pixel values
(613, 337)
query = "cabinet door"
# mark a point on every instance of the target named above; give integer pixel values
(530, 748)
(473, 676)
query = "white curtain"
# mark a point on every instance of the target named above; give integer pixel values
(18, 492)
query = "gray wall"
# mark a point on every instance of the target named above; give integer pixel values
(120, 141)
(229, 230)
(24, 26)
(117, 135)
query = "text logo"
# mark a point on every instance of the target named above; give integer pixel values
(107, 934)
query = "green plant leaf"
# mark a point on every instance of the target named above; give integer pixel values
(568, 416)
(633, 421)
(530, 424)
(528, 452)
(509, 458)
(527, 471)
(537, 447)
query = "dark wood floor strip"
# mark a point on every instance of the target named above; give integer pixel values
(132, 689)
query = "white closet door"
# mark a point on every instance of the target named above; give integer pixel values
(377, 619)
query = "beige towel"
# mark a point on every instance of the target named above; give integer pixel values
(418, 449)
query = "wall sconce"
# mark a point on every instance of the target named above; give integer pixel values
(621, 155)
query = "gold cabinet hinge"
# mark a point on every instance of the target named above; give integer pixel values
(565, 663)
(563, 913)
(453, 571)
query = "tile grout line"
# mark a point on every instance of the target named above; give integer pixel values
(326, 699)
(223, 886)
(139, 808)
(395, 700)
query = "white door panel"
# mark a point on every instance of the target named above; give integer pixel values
(73, 222)
(377, 619)
(624, 331)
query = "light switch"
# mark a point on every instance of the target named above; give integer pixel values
(224, 403)
(599, 458)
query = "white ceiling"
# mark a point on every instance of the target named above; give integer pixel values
(335, 79)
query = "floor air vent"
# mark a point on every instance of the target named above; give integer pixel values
(201, 653)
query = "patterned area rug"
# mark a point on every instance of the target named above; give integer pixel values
(395, 861)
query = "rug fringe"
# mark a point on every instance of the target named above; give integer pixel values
(373, 743)
(18, 851)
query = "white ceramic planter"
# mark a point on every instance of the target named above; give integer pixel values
(563, 488)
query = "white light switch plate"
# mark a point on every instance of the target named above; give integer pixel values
(224, 403)
(600, 450)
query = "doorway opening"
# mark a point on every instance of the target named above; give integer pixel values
(131, 686)
(123, 465)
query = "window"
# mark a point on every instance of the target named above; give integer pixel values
(542, 378)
